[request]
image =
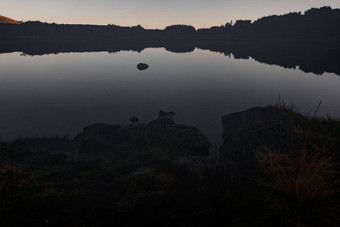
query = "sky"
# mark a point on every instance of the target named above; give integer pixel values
(152, 13)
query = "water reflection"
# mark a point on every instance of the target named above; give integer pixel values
(316, 57)
(60, 94)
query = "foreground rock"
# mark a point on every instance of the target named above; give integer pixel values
(137, 144)
(248, 132)
(162, 133)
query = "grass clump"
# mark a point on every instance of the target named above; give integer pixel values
(301, 186)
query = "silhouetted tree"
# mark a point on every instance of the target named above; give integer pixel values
(180, 28)
(242, 23)
(228, 24)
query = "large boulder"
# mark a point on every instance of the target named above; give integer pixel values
(258, 129)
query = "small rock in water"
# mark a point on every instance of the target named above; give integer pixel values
(134, 119)
(142, 66)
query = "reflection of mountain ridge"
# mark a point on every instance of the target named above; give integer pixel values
(309, 40)
(316, 57)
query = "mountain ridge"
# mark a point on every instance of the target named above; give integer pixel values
(7, 20)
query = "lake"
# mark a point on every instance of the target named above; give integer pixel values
(49, 95)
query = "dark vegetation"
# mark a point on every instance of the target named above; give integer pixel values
(314, 24)
(277, 168)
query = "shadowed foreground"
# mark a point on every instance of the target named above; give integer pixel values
(277, 168)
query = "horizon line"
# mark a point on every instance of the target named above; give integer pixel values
(148, 28)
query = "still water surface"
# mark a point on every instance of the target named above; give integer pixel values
(60, 94)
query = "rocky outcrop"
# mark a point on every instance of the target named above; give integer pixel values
(162, 133)
(248, 132)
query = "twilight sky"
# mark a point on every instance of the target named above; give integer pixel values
(152, 13)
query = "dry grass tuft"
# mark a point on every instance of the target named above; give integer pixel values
(302, 184)
(283, 106)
